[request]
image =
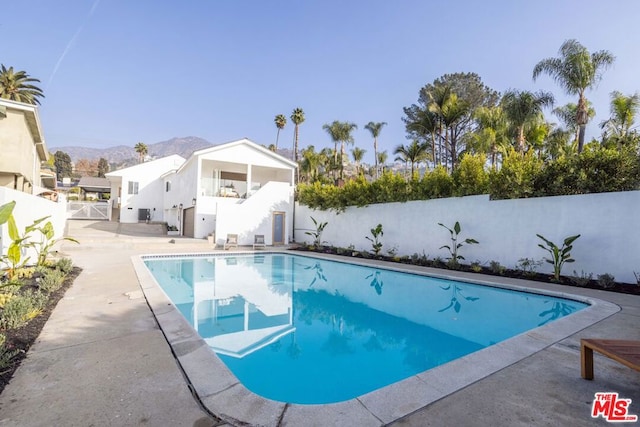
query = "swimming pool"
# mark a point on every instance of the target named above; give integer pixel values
(291, 333)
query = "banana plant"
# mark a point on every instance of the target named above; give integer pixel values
(43, 247)
(455, 245)
(376, 244)
(559, 255)
(317, 235)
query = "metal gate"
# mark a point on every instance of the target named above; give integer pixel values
(88, 210)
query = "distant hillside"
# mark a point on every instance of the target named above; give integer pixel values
(125, 156)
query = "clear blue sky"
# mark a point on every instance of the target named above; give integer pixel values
(123, 71)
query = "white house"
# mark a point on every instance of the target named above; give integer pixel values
(235, 188)
(137, 191)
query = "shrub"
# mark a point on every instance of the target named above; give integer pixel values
(582, 280)
(606, 281)
(516, 177)
(52, 281)
(470, 177)
(496, 268)
(22, 308)
(528, 266)
(65, 265)
(435, 184)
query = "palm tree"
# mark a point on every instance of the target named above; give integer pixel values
(413, 153)
(297, 117)
(142, 150)
(623, 113)
(375, 129)
(576, 71)
(568, 116)
(16, 86)
(310, 163)
(491, 136)
(280, 122)
(333, 130)
(358, 154)
(523, 107)
(382, 159)
(345, 137)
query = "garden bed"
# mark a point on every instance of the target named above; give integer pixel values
(494, 269)
(21, 339)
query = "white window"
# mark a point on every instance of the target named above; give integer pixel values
(133, 187)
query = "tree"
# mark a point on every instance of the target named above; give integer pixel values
(86, 167)
(576, 71)
(142, 150)
(280, 122)
(16, 86)
(624, 110)
(413, 153)
(340, 132)
(63, 165)
(333, 130)
(310, 164)
(103, 167)
(568, 116)
(358, 154)
(491, 137)
(382, 159)
(375, 128)
(522, 108)
(451, 100)
(297, 117)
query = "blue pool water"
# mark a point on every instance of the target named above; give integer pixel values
(298, 329)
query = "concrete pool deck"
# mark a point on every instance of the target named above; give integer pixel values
(102, 360)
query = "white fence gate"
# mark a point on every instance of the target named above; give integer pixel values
(88, 210)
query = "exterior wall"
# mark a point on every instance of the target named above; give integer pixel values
(28, 209)
(19, 156)
(254, 216)
(184, 188)
(245, 154)
(149, 177)
(609, 225)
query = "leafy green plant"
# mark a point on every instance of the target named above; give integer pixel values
(582, 279)
(317, 234)
(476, 267)
(6, 354)
(606, 281)
(559, 255)
(455, 246)
(496, 268)
(376, 244)
(43, 247)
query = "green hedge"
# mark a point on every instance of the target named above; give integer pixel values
(595, 170)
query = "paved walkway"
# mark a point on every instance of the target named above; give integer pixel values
(101, 359)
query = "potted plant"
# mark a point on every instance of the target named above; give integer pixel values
(172, 230)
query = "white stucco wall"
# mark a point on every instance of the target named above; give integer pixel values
(29, 208)
(151, 188)
(254, 216)
(608, 223)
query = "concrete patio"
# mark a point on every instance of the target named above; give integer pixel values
(102, 359)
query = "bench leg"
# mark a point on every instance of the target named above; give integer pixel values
(586, 359)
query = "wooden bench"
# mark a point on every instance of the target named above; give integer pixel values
(623, 351)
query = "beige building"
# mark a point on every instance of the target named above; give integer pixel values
(22, 148)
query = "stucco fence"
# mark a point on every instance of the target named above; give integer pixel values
(28, 209)
(609, 225)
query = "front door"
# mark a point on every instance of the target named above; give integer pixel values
(278, 228)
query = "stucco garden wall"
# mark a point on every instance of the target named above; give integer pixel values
(609, 224)
(29, 208)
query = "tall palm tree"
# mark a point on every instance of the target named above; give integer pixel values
(375, 128)
(297, 117)
(382, 159)
(624, 110)
(345, 133)
(576, 70)
(280, 122)
(568, 116)
(142, 150)
(523, 107)
(358, 154)
(413, 153)
(310, 163)
(491, 136)
(16, 86)
(333, 130)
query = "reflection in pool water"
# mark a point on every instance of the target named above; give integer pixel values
(301, 330)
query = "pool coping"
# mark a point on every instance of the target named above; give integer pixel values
(221, 393)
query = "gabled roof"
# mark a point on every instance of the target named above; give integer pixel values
(94, 184)
(32, 118)
(244, 141)
(171, 162)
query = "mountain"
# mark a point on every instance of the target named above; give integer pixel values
(126, 156)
